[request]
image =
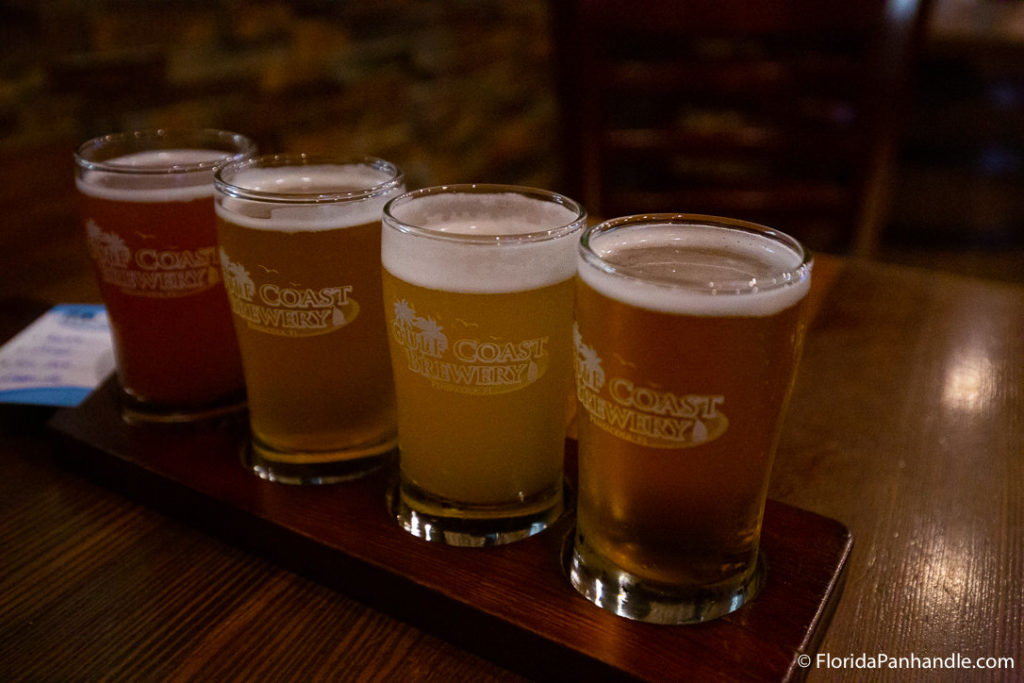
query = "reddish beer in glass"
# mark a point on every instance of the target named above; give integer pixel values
(147, 208)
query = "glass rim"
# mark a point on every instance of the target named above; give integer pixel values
(393, 179)
(783, 277)
(578, 223)
(191, 138)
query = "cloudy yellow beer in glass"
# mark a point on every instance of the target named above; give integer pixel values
(688, 333)
(299, 243)
(478, 288)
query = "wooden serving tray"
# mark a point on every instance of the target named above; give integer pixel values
(512, 604)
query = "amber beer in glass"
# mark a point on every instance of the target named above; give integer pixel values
(478, 293)
(300, 249)
(688, 332)
(146, 202)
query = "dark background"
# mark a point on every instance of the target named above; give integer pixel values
(452, 91)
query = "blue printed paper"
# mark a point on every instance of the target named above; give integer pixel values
(59, 358)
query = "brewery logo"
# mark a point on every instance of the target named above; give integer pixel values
(472, 364)
(287, 311)
(641, 414)
(149, 271)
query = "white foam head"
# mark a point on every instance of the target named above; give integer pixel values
(481, 242)
(306, 197)
(167, 159)
(699, 268)
(159, 175)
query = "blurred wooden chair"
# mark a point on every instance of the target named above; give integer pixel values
(785, 112)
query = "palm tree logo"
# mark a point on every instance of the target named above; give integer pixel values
(434, 340)
(588, 364)
(405, 314)
(106, 247)
(236, 278)
(423, 334)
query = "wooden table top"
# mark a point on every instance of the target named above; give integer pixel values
(906, 424)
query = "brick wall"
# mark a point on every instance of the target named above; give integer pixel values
(451, 90)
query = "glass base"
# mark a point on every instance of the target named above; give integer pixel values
(135, 412)
(628, 595)
(473, 526)
(330, 467)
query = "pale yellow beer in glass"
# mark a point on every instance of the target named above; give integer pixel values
(478, 287)
(688, 333)
(300, 248)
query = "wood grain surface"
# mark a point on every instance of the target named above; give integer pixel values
(512, 603)
(908, 424)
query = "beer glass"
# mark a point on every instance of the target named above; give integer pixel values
(300, 249)
(478, 287)
(146, 202)
(688, 333)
